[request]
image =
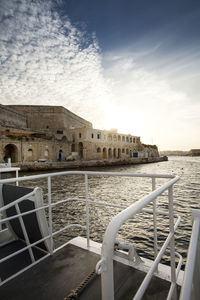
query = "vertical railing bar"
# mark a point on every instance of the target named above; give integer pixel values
(155, 220)
(25, 233)
(17, 175)
(87, 211)
(172, 243)
(50, 215)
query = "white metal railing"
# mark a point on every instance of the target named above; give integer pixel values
(191, 287)
(112, 229)
(106, 265)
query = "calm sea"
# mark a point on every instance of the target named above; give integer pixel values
(126, 191)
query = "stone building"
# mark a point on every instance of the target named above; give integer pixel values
(90, 143)
(31, 133)
(194, 152)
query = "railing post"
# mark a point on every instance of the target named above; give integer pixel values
(25, 233)
(50, 215)
(87, 211)
(155, 220)
(17, 175)
(172, 243)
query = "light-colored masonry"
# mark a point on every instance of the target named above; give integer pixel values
(53, 133)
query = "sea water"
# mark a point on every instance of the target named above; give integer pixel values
(125, 191)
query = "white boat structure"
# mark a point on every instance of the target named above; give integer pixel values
(32, 265)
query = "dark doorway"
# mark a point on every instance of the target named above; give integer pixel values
(11, 152)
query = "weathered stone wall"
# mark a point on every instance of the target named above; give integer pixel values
(9, 117)
(50, 118)
(102, 144)
(194, 152)
(52, 130)
(28, 149)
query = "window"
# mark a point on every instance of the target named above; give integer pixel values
(127, 139)
(59, 131)
(114, 138)
(123, 150)
(92, 135)
(98, 150)
(79, 135)
(131, 140)
(123, 139)
(30, 152)
(98, 135)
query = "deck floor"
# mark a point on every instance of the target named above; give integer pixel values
(56, 276)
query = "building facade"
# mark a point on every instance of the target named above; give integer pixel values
(53, 133)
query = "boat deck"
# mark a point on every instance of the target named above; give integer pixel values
(56, 276)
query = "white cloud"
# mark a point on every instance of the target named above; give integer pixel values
(46, 61)
(150, 106)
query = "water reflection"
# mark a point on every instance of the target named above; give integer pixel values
(125, 191)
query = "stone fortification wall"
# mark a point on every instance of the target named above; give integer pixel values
(12, 118)
(50, 118)
(27, 149)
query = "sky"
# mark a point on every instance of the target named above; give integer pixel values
(133, 65)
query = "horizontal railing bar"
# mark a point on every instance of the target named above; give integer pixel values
(35, 209)
(32, 177)
(147, 278)
(24, 269)
(39, 241)
(64, 201)
(67, 227)
(18, 200)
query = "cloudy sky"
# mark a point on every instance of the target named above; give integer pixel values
(127, 64)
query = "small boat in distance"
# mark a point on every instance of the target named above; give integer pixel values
(35, 266)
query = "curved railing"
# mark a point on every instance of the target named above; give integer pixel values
(106, 264)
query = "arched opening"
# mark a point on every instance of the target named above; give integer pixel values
(80, 150)
(119, 138)
(131, 153)
(64, 139)
(30, 152)
(98, 150)
(109, 153)
(126, 151)
(104, 153)
(11, 151)
(114, 153)
(119, 153)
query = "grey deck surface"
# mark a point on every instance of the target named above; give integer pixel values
(54, 278)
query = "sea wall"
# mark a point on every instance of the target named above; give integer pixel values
(40, 166)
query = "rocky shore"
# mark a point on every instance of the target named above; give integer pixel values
(41, 166)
